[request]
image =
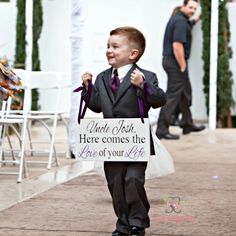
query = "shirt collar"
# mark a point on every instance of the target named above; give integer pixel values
(123, 70)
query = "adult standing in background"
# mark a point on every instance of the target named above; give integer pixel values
(176, 52)
(175, 119)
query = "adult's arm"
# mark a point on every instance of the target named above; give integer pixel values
(178, 49)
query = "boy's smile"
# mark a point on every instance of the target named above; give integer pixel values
(118, 51)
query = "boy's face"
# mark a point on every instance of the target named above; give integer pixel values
(119, 51)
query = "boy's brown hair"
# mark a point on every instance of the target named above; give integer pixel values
(134, 36)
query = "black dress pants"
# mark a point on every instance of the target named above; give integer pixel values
(179, 93)
(126, 185)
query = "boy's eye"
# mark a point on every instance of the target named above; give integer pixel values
(115, 46)
(112, 46)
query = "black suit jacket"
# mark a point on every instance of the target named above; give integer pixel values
(125, 103)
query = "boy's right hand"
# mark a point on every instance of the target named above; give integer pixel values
(86, 77)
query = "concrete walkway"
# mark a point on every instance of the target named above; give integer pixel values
(203, 187)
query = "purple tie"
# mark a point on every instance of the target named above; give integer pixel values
(114, 82)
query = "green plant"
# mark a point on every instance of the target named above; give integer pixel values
(20, 54)
(37, 28)
(224, 79)
(224, 75)
(20, 50)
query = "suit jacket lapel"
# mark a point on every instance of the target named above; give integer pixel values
(124, 85)
(106, 78)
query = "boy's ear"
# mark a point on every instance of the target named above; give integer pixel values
(134, 54)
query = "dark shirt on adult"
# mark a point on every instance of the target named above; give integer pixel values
(178, 30)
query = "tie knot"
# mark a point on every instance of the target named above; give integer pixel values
(114, 81)
(115, 73)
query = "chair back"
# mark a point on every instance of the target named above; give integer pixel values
(6, 109)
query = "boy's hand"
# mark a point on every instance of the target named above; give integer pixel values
(137, 78)
(86, 77)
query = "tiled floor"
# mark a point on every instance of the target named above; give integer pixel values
(39, 177)
(12, 192)
(204, 182)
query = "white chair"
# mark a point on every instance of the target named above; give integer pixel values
(42, 81)
(64, 112)
(45, 82)
(7, 121)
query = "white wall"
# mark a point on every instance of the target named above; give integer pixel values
(54, 43)
(196, 75)
(55, 46)
(150, 16)
(232, 20)
(55, 38)
(7, 32)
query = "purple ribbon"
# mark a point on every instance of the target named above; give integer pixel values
(82, 114)
(140, 107)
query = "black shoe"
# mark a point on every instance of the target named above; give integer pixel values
(118, 233)
(193, 128)
(168, 136)
(137, 231)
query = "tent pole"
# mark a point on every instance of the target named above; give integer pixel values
(213, 63)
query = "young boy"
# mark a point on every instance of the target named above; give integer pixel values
(118, 99)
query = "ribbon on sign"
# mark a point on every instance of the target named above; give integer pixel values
(81, 113)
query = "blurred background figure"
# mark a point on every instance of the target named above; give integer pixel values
(176, 116)
(176, 52)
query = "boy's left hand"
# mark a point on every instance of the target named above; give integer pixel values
(137, 78)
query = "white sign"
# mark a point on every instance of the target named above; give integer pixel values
(113, 140)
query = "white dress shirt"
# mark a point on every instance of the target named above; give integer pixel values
(122, 71)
